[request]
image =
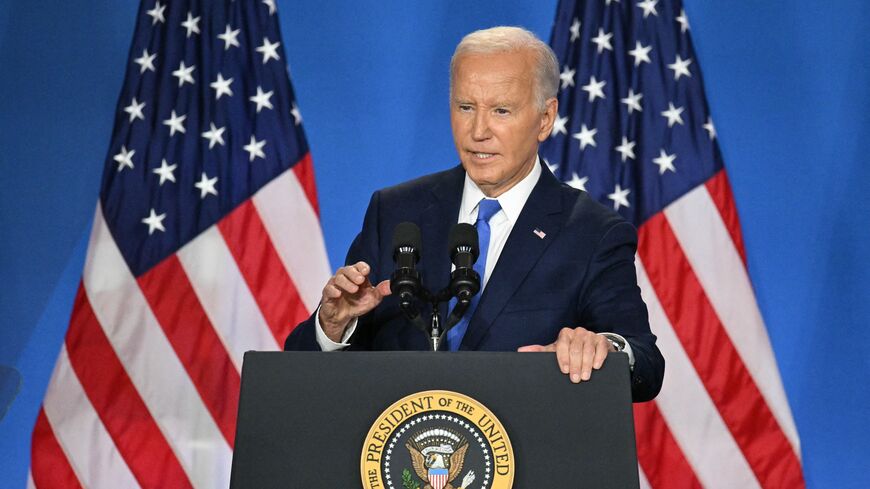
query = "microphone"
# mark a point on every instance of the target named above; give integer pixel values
(407, 247)
(463, 247)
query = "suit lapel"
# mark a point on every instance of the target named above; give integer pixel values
(522, 250)
(435, 223)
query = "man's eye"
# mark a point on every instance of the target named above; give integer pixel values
(464, 108)
(502, 111)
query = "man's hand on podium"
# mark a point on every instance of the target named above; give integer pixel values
(578, 352)
(348, 295)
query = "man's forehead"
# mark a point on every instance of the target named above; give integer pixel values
(498, 72)
(519, 61)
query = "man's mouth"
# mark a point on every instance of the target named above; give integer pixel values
(482, 156)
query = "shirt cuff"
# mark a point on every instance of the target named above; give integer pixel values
(327, 344)
(625, 349)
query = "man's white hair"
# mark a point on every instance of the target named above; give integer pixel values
(506, 39)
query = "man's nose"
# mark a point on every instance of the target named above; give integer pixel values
(480, 129)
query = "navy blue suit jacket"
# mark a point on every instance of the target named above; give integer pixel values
(580, 274)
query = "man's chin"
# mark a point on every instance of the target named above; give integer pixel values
(490, 186)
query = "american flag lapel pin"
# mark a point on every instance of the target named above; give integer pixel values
(540, 233)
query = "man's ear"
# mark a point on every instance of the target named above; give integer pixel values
(548, 117)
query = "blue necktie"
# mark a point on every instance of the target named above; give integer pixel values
(485, 210)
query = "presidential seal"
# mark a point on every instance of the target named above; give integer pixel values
(437, 440)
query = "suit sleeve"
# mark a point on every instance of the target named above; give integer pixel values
(611, 302)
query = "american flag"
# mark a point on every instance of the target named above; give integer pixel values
(206, 243)
(634, 130)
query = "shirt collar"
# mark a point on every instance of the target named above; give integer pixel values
(511, 202)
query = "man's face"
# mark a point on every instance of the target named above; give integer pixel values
(496, 121)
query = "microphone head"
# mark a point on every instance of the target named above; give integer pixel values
(463, 238)
(406, 239)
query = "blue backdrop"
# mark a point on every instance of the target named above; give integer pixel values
(789, 89)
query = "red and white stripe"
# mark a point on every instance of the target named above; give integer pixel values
(145, 390)
(722, 418)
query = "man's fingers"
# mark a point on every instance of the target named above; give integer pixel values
(588, 357)
(353, 274)
(538, 348)
(361, 268)
(384, 288)
(347, 280)
(345, 283)
(331, 291)
(562, 347)
(576, 366)
(578, 352)
(601, 353)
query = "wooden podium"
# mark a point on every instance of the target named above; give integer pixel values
(311, 419)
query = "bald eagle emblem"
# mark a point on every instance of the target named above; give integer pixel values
(438, 456)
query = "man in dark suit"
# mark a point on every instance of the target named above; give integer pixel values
(558, 270)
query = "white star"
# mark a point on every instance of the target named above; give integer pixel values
(619, 197)
(165, 171)
(673, 114)
(711, 129)
(206, 186)
(683, 21)
(157, 13)
(221, 87)
(297, 116)
(154, 221)
(269, 50)
(632, 101)
(575, 29)
(255, 148)
(184, 74)
(594, 88)
(680, 67)
(665, 162)
(602, 40)
(271, 5)
(626, 149)
(124, 158)
(640, 53)
(262, 99)
(214, 135)
(191, 24)
(135, 110)
(230, 37)
(559, 126)
(577, 182)
(175, 123)
(146, 61)
(649, 7)
(586, 136)
(552, 166)
(567, 77)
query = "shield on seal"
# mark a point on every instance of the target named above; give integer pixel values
(438, 478)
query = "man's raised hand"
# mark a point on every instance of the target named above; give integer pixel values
(348, 295)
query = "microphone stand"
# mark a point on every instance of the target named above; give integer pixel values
(436, 329)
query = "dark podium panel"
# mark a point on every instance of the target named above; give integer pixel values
(304, 416)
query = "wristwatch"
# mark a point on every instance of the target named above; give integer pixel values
(617, 341)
